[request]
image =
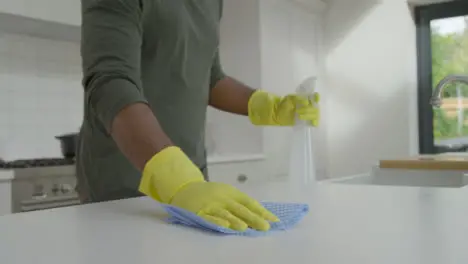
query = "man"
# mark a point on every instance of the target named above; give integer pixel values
(151, 68)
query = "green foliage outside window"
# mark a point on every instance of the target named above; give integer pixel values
(449, 56)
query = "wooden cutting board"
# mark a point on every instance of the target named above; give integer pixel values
(428, 162)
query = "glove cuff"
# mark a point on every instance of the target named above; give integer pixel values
(166, 173)
(262, 108)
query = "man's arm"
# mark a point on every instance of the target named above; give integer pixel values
(231, 96)
(228, 94)
(111, 47)
(138, 134)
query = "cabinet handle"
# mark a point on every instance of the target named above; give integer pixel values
(242, 178)
(39, 196)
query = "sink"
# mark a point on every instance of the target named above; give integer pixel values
(408, 177)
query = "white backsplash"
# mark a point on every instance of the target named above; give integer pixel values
(40, 95)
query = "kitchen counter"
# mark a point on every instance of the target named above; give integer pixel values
(346, 225)
(447, 161)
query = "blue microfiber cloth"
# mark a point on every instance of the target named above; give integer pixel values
(288, 213)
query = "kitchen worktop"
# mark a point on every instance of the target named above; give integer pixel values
(447, 161)
(346, 225)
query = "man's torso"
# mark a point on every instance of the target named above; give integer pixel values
(180, 40)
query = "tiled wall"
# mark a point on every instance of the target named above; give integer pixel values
(40, 95)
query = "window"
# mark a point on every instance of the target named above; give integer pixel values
(442, 39)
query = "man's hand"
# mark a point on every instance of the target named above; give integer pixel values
(170, 177)
(268, 109)
(263, 108)
(224, 205)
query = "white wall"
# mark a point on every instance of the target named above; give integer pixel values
(40, 96)
(240, 57)
(273, 47)
(371, 84)
(290, 49)
(368, 91)
(368, 84)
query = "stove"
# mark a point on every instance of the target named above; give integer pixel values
(40, 184)
(33, 163)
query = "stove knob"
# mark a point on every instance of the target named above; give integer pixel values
(65, 188)
(38, 192)
(55, 189)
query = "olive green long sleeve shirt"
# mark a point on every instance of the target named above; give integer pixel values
(160, 52)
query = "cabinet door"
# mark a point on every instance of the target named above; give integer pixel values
(239, 173)
(5, 197)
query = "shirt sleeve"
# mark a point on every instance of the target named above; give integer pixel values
(111, 41)
(217, 72)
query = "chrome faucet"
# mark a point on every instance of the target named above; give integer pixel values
(436, 99)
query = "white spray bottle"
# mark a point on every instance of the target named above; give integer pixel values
(302, 171)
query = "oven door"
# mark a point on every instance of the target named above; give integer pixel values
(49, 203)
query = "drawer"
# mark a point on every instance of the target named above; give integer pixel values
(238, 172)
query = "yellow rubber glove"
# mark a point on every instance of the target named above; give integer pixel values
(170, 177)
(268, 109)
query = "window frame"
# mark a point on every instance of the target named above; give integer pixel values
(423, 16)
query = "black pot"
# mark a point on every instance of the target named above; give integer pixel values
(68, 144)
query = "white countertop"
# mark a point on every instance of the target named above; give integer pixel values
(346, 224)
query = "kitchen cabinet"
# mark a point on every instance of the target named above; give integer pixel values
(66, 12)
(53, 19)
(59, 11)
(61, 19)
(6, 177)
(239, 171)
(5, 197)
(18, 24)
